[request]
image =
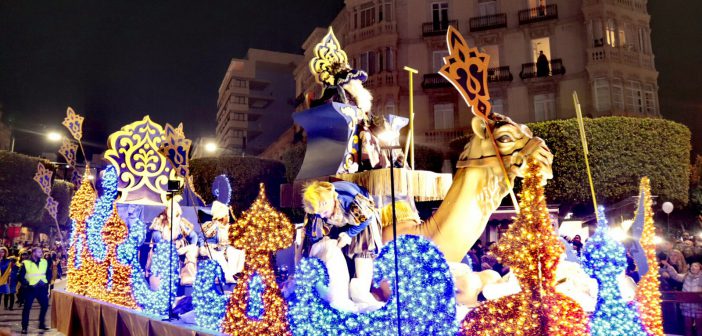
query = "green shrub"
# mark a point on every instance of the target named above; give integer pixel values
(21, 198)
(292, 159)
(244, 173)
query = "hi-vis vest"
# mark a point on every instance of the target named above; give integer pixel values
(35, 273)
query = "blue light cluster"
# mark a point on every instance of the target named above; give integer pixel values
(254, 308)
(127, 251)
(210, 305)
(427, 298)
(103, 210)
(78, 245)
(604, 259)
(156, 302)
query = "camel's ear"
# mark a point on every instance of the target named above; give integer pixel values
(478, 125)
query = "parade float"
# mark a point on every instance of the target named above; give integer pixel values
(144, 247)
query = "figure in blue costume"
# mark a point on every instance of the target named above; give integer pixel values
(346, 211)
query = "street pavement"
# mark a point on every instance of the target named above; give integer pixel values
(11, 321)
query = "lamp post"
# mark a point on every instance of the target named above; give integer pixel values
(51, 136)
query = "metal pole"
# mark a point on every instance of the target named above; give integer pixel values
(410, 135)
(394, 239)
(170, 264)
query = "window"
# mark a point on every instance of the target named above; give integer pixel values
(641, 41)
(381, 62)
(603, 101)
(236, 82)
(438, 60)
(236, 99)
(389, 59)
(617, 94)
(650, 96)
(544, 107)
(634, 97)
(363, 61)
(239, 116)
(498, 105)
(487, 7)
(385, 11)
(622, 36)
(439, 15)
(372, 63)
(610, 32)
(367, 14)
(389, 108)
(597, 33)
(443, 116)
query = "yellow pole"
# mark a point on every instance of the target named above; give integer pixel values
(410, 135)
(583, 140)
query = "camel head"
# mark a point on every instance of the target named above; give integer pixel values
(515, 142)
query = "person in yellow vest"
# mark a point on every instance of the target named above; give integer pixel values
(34, 276)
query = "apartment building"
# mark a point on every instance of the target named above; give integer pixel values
(255, 101)
(599, 48)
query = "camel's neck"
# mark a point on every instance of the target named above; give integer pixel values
(460, 220)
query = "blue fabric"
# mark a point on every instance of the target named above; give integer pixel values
(347, 192)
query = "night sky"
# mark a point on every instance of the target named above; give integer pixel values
(116, 61)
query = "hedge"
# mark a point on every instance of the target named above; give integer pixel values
(21, 198)
(622, 150)
(292, 159)
(245, 174)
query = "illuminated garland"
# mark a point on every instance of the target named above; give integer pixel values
(648, 294)
(427, 302)
(531, 249)
(127, 252)
(254, 309)
(119, 284)
(80, 208)
(260, 231)
(156, 302)
(103, 209)
(604, 260)
(208, 303)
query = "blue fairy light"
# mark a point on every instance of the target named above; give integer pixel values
(254, 308)
(156, 302)
(102, 211)
(604, 259)
(210, 305)
(427, 298)
(127, 251)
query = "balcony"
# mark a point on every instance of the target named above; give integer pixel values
(377, 29)
(436, 81)
(529, 70)
(488, 22)
(259, 102)
(538, 14)
(607, 54)
(437, 28)
(444, 136)
(381, 79)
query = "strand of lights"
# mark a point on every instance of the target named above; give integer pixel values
(156, 302)
(254, 308)
(648, 294)
(531, 249)
(427, 297)
(209, 304)
(119, 284)
(103, 209)
(260, 231)
(80, 208)
(127, 252)
(604, 260)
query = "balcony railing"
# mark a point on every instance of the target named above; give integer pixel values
(371, 31)
(606, 54)
(444, 136)
(529, 70)
(488, 22)
(436, 81)
(538, 14)
(437, 27)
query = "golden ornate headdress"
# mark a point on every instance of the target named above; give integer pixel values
(330, 65)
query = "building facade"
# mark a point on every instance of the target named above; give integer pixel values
(256, 94)
(599, 48)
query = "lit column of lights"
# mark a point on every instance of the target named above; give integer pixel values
(604, 260)
(208, 303)
(531, 249)
(260, 231)
(156, 302)
(648, 293)
(427, 299)
(127, 252)
(80, 208)
(119, 282)
(254, 308)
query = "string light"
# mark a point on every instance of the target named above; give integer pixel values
(604, 260)
(103, 209)
(260, 231)
(80, 208)
(254, 308)
(532, 250)
(427, 297)
(119, 284)
(648, 294)
(127, 252)
(156, 302)
(208, 302)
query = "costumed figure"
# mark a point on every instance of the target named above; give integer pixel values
(184, 237)
(331, 69)
(344, 211)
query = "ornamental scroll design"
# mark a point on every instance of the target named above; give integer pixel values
(143, 172)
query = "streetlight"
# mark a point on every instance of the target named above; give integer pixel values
(54, 136)
(210, 147)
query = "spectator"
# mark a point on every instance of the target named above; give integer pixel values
(631, 268)
(9, 301)
(5, 270)
(577, 244)
(692, 282)
(34, 276)
(24, 255)
(542, 68)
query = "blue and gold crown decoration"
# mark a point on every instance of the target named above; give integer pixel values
(467, 70)
(69, 151)
(329, 59)
(175, 148)
(74, 123)
(43, 178)
(143, 172)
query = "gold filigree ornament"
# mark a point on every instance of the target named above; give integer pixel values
(143, 172)
(467, 69)
(329, 59)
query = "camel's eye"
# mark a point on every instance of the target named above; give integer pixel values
(505, 139)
